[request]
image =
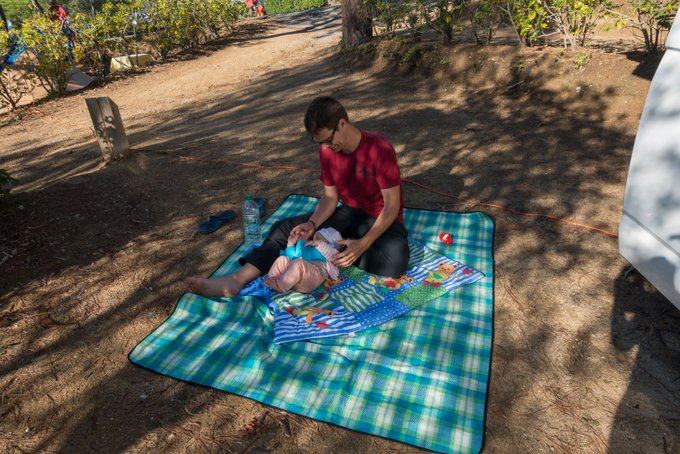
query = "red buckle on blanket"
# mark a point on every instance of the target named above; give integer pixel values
(446, 238)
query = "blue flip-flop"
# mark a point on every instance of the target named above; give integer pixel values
(215, 222)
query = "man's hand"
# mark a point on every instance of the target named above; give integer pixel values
(354, 250)
(301, 232)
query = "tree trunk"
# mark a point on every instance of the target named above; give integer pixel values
(357, 23)
(4, 19)
(38, 7)
(648, 40)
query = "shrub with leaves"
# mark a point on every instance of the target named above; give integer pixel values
(102, 36)
(227, 13)
(576, 19)
(211, 20)
(287, 6)
(162, 30)
(652, 18)
(528, 18)
(170, 25)
(485, 17)
(190, 23)
(49, 47)
(166, 25)
(581, 59)
(389, 13)
(427, 57)
(14, 84)
(442, 16)
(414, 17)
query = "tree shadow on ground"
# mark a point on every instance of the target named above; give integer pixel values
(644, 325)
(647, 63)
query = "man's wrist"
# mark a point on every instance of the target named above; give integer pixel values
(365, 242)
(313, 224)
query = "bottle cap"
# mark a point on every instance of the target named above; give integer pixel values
(249, 196)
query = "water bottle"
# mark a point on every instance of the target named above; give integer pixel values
(251, 222)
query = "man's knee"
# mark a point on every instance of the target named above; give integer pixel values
(397, 265)
(389, 261)
(283, 227)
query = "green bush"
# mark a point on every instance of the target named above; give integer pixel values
(528, 18)
(414, 17)
(165, 25)
(652, 18)
(576, 19)
(14, 84)
(389, 13)
(485, 18)
(184, 24)
(287, 6)
(442, 16)
(46, 41)
(227, 13)
(581, 59)
(102, 37)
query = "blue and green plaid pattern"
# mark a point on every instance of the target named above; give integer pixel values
(421, 378)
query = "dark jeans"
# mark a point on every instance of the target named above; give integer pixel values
(387, 256)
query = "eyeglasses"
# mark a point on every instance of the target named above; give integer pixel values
(329, 141)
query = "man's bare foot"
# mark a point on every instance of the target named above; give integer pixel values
(220, 286)
(229, 285)
(272, 284)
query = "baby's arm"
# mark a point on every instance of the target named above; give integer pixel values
(326, 250)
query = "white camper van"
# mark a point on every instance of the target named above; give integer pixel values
(649, 233)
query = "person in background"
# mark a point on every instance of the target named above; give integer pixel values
(260, 12)
(58, 12)
(251, 5)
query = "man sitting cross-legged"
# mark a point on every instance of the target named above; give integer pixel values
(359, 169)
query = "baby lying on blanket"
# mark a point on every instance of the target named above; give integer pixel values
(304, 265)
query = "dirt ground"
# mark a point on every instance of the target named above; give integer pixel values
(586, 356)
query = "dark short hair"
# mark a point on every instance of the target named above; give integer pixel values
(324, 112)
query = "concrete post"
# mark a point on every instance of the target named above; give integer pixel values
(109, 128)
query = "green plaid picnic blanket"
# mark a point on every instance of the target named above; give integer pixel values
(421, 378)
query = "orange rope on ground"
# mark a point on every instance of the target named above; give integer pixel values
(501, 207)
(420, 185)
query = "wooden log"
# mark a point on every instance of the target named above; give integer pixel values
(108, 126)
